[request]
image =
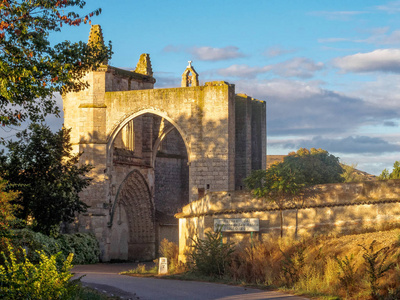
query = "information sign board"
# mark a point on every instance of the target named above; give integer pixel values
(237, 225)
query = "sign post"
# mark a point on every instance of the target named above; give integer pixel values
(163, 265)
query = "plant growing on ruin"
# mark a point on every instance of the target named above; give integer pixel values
(210, 256)
(31, 68)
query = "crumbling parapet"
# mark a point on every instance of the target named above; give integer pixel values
(144, 65)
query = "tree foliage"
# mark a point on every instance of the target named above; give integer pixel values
(31, 69)
(7, 209)
(350, 174)
(7, 217)
(283, 182)
(298, 169)
(314, 166)
(40, 165)
(21, 279)
(395, 174)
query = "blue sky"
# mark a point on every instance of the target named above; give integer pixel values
(329, 70)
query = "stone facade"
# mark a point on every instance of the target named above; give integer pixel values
(327, 209)
(155, 150)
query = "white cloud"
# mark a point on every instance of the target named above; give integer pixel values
(380, 36)
(277, 51)
(337, 15)
(299, 108)
(351, 144)
(377, 36)
(172, 48)
(381, 60)
(333, 40)
(391, 7)
(297, 67)
(215, 54)
(243, 71)
(384, 90)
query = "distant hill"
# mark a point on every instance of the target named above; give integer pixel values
(365, 176)
(271, 159)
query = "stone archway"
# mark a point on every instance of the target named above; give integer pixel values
(148, 166)
(133, 223)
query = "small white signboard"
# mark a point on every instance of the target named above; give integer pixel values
(163, 265)
(232, 225)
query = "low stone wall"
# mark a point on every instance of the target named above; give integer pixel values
(324, 209)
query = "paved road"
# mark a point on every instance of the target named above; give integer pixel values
(104, 277)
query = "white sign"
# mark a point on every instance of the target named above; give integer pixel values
(231, 225)
(163, 265)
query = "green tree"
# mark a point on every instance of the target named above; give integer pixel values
(396, 171)
(278, 184)
(395, 174)
(350, 174)
(384, 175)
(7, 209)
(284, 182)
(40, 165)
(31, 69)
(314, 166)
(7, 217)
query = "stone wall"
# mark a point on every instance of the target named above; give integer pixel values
(327, 209)
(171, 175)
(250, 128)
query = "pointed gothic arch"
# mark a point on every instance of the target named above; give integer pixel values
(126, 119)
(135, 199)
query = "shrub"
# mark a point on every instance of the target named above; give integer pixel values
(35, 242)
(211, 256)
(376, 267)
(292, 265)
(252, 263)
(21, 279)
(170, 250)
(84, 246)
(347, 273)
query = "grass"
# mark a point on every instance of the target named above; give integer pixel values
(142, 270)
(356, 266)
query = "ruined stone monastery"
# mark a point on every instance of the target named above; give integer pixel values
(156, 150)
